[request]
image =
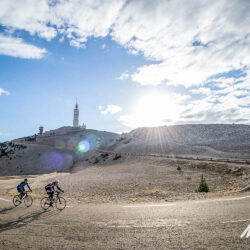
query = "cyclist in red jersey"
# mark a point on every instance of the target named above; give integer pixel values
(50, 188)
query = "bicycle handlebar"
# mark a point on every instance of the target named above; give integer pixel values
(59, 191)
(28, 191)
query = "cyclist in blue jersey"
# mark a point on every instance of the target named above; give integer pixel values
(20, 188)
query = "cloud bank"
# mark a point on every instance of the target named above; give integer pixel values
(193, 44)
(189, 40)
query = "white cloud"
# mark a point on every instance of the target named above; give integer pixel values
(204, 91)
(124, 76)
(61, 39)
(104, 46)
(165, 31)
(112, 109)
(82, 19)
(2, 91)
(29, 15)
(75, 19)
(229, 104)
(79, 43)
(16, 47)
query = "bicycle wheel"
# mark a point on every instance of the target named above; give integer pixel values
(28, 200)
(60, 203)
(16, 200)
(45, 204)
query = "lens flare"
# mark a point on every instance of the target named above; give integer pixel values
(83, 146)
(53, 161)
(56, 160)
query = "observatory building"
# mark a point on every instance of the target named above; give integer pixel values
(76, 116)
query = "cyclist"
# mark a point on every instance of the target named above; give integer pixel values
(50, 189)
(20, 188)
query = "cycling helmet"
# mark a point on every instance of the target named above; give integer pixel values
(56, 181)
(25, 179)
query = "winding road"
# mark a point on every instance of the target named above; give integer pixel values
(203, 224)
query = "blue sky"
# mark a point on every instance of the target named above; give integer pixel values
(44, 91)
(129, 63)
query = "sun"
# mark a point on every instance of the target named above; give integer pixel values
(154, 109)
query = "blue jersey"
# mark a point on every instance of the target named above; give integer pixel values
(23, 184)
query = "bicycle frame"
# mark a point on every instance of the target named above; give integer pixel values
(60, 202)
(57, 196)
(25, 194)
(28, 200)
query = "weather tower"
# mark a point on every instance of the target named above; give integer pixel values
(76, 116)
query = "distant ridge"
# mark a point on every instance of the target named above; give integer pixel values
(207, 140)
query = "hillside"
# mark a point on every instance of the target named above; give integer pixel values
(201, 140)
(58, 150)
(55, 150)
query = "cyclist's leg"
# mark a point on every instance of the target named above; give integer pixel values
(22, 192)
(49, 193)
(52, 200)
(19, 191)
(52, 194)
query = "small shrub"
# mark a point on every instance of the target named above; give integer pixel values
(116, 157)
(104, 155)
(203, 187)
(179, 168)
(96, 161)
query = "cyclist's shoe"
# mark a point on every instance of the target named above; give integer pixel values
(53, 205)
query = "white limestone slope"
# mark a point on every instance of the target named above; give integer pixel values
(55, 150)
(196, 140)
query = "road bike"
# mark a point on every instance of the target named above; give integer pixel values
(28, 200)
(60, 202)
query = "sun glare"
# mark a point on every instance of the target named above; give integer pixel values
(154, 109)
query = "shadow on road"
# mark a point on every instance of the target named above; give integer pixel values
(26, 219)
(7, 209)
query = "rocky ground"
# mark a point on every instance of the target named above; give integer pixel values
(140, 179)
